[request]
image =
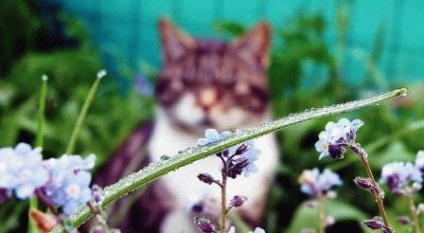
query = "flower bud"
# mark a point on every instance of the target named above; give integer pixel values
(238, 201)
(241, 149)
(206, 178)
(363, 183)
(403, 220)
(204, 225)
(374, 224)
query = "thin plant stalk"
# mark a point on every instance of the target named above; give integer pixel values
(33, 201)
(414, 214)
(83, 113)
(364, 160)
(41, 110)
(321, 212)
(223, 201)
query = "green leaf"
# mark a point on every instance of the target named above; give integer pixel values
(155, 170)
(306, 217)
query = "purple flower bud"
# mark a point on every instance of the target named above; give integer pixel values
(403, 220)
(241, 149)
(363, 183)
(367, 184)
(206, 178)
(374, 224)
(336, 151)
(238, 201)
(235, 167)
(204, 224)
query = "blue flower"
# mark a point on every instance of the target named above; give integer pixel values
(69, 182)
(212, 136)
(251, 154)
(241, 159)
(332, 141)
(398, 175)
(21, 170)
(313, 183)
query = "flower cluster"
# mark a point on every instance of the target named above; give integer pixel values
(21, 170)
(314, 184)
(403, 177)
(62, 182)
(69, 181)
(237, 159)
(333, 141)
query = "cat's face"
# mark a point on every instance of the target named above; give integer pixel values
(213, 84)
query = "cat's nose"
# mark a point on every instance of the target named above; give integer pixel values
(207, 97)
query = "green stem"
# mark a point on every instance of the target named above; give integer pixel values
(33, 202)
(321, 212)
(364, 160)
(223, 202)
(156, 170)
(414, 214)
(83, 113)
(41, 110)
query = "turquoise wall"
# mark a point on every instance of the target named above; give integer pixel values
(128, 28)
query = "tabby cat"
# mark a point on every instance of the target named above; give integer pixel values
(205, 84)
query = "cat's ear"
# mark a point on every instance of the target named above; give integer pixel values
(175, 43)
(255, 43)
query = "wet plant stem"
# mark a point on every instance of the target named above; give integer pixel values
(321, 212)
(223, 202)
(83, 114)
(363, 156)
(414, 214)
(99, 218)
(33, 202)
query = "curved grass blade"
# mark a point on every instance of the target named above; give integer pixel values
(155, 170)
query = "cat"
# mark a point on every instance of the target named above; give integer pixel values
(203, 84)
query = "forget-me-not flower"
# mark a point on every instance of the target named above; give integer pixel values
(69, 182)
(398, 175)
(333, 140)
(212, 136)
(21, 170)
(313, 183)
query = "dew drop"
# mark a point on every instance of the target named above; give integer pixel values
(165, 157)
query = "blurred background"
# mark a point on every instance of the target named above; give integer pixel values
(323, 52)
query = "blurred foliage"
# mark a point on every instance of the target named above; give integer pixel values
(391, 132)
(34, 43)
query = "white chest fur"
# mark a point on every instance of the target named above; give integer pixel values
(187, 189)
